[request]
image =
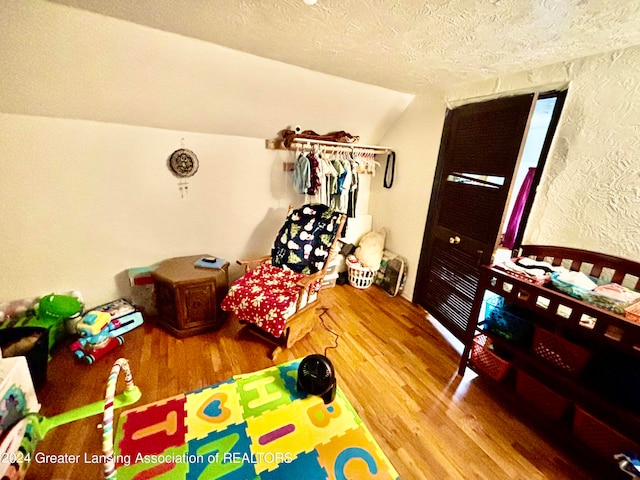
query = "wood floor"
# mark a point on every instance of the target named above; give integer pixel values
(393, 362)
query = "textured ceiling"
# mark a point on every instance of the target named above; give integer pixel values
(404, 45)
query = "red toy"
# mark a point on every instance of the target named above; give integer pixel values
(96, 338)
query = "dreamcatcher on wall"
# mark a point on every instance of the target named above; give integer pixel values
(183, 164)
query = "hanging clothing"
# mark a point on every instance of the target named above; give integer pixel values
(329, 176)
(336, 187)
(518, 208)
(314, 175)
(353, 191)
(301, 174)
(343, 203)
(342, 173)
(332, 178)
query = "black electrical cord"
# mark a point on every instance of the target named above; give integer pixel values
(330, 331)
(391, 159)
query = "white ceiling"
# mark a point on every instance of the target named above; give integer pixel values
(404, 45)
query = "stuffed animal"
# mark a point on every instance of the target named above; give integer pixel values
(96, 337)
(370, 248)
(53, 311)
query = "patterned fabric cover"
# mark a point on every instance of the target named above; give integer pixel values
(265, 296)
(303, 243)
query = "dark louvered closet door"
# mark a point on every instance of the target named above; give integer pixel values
(481, 146)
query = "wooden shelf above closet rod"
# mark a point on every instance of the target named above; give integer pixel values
(277, 144)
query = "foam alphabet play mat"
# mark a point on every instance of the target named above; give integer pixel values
(252, 426)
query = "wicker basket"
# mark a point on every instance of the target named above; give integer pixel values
(632, 313)
(360, 277)
(486, 361)
(599, 436)
(562, 354)
(549, 403)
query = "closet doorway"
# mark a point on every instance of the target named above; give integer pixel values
(476, 188)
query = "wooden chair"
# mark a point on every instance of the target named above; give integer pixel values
(277, 296)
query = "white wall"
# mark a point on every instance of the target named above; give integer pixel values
(589, 196)
(92, 106)
(63, 62)
(90, 109)
(402, 209)
(84, 201)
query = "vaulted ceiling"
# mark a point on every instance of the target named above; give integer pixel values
(404, 45)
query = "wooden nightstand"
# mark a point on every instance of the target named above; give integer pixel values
(188, 298)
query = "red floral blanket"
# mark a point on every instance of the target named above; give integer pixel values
(265, 296)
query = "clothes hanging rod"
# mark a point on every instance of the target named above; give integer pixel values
(279, 145)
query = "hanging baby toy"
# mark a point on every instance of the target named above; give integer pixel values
(183, 163)
(19, 441)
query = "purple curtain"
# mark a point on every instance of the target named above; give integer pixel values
(518, 207)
